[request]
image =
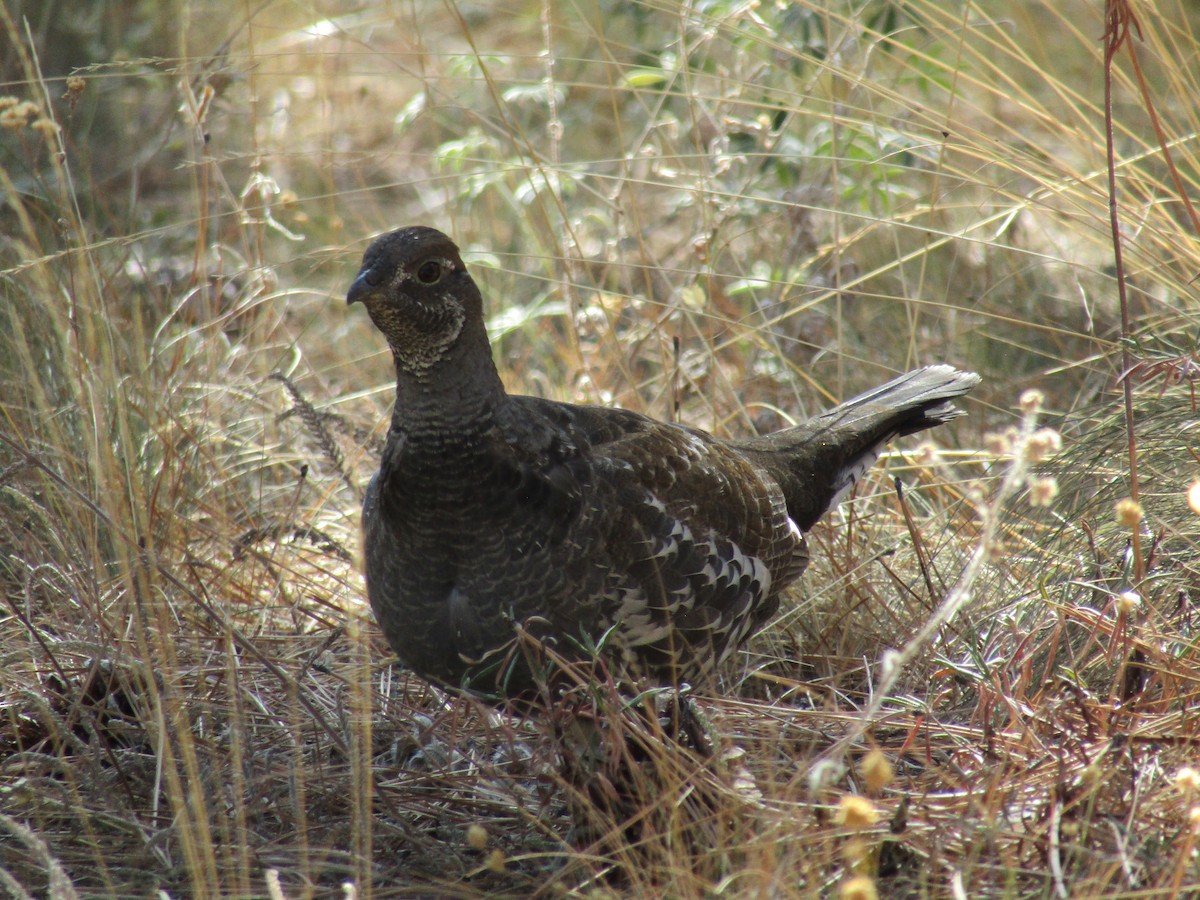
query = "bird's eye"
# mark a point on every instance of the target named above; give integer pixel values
(430, 272)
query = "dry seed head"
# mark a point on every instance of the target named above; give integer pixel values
(855, 852)
(47, 127)
(477, 837)
(877, 771)
(1042, 444)
(17, 115)
(1031, 401)
(8, 102)
(1187, 780)
(76, 84)
(1128, 602)
(1129, 512)
(860, 887)
(496, 861)
(1194, 497)
(12, 118)
(926, 454)
(1043, 490)
(856, 812)
(997, 443)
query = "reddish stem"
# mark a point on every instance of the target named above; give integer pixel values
(1119, 19)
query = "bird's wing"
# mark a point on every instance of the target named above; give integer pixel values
(695, 477)
(697, 536)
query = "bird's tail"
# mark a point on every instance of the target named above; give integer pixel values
(817, 463)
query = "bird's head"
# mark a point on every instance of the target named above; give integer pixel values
(418, 293)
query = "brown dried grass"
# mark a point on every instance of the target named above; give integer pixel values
(193, 699)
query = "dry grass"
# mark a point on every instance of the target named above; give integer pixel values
(726, 213)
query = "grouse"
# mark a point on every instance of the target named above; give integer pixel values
(495, 517)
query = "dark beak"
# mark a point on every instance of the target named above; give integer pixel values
(361, 289)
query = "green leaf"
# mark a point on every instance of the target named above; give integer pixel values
(642, 78)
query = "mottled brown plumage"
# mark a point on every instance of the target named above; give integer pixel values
(578, 524)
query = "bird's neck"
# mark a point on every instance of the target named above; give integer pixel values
(456, 395)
